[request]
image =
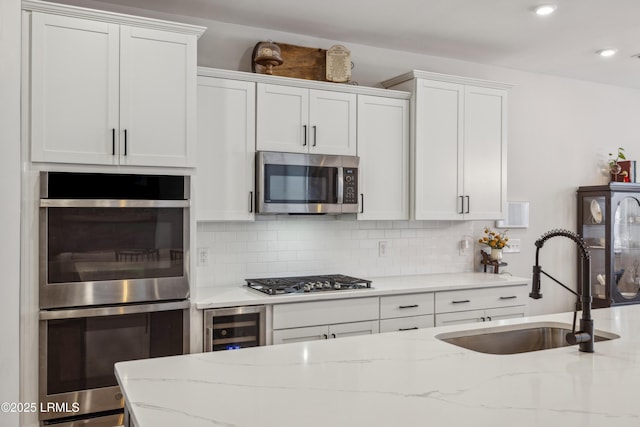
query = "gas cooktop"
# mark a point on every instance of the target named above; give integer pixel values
(305, 284)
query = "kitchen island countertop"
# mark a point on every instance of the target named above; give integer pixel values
(395, 379)
(229, 296)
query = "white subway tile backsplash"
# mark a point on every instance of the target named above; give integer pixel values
(282, 245)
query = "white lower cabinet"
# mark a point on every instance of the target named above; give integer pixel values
(316, 320)
(314, 333)
(406, 312)
(480, 305)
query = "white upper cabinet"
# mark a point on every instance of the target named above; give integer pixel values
(300, 120)
(157, 97)
(383, 148)
(459, 146)
(74, 90)
(226, 150)
(111, 89)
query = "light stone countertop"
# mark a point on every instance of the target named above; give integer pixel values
(395, 379)
(229, 296)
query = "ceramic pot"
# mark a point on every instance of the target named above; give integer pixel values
(496, 254)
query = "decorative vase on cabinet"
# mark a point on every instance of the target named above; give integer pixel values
(609, 222)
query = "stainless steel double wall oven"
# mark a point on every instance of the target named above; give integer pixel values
(114, 286)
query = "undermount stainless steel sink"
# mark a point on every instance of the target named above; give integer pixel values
(514, 339)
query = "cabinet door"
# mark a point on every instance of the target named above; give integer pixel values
(157, 105)
(437, 164)
(332, 121)
(226, 150)
(353, 329)
(506, 313)
(460, 317)
(74, 90)
(282, 118)
(485, 154)
(383, 147)
(310, 333)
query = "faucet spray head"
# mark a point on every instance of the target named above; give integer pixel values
(535, 283)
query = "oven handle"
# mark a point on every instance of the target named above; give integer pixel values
(340, 186)
(112, 203)
(113, 311)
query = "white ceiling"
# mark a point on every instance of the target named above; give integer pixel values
(499, 32)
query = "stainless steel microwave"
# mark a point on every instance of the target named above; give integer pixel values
(296, 183)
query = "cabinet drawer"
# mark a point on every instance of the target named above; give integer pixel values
(406, 323)
(325, 312)
(474, 299)
(406, 305)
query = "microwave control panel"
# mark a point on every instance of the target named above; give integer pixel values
(350, 195)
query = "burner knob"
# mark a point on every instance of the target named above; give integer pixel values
(327, 284)
(307, 287)
(336, 285)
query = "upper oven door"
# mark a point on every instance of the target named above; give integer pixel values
(111, 251)
(299, 183)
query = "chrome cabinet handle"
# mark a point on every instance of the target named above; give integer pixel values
(125, 142)
(468, 204)
(407, 329)
(409, 306)
(361, 202)
(250, 201)
(482, 318)
(304, 141)
(113, 141)
(333, 335)
(325, 336)
(461, 204)
(315, 135)
(460, 301)
(509, 297)
(489, 318)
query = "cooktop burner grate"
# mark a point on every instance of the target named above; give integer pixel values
(303, 284)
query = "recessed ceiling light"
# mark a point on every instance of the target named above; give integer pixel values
(607, 52)
(545, 9)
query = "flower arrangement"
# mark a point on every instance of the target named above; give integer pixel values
(494, 239)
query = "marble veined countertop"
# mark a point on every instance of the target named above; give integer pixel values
(229, 296)
(395, 379)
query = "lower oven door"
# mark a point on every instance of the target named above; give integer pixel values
(78, 348)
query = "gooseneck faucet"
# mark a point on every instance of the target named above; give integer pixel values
(584, 337)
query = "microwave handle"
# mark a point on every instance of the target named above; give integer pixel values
(340, 185)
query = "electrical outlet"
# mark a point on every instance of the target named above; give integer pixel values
(383, 246)
(514, 247)
(203, 257)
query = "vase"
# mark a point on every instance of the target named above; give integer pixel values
(496, 254)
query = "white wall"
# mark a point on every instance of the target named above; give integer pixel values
(10, 212)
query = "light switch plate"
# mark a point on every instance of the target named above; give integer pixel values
(514, 247)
